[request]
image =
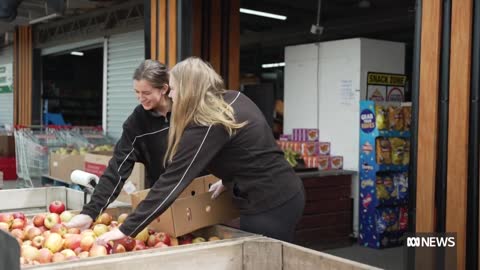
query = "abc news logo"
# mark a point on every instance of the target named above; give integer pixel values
(430, 241)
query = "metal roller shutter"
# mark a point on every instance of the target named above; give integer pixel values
(6, 99)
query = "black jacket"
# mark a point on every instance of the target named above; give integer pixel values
(144, 140)
(250, 163)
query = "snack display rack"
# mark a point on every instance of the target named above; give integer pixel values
(383, 173)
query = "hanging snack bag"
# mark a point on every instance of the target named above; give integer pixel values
(407, 117)
(382, 193)
(406, 153)
(381, 115)
(384, 151)
(395, 118)
(398, 148)
(390, 187)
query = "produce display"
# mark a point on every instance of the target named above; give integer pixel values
(45, 238)
(83, 150)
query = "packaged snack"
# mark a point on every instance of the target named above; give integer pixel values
(285, 137)
(384, 151)
(397, 148)
(392, 221)
(403, 219)
(401, 185)
(407, 117)
(310, 161)
(309, 148)
(381, 117)
(305, 134)
(390, 187)
(323, 163)
(382, 222)
(324, 148)
(406, 152)
(395, 118)
(382, 193)
(336, 162)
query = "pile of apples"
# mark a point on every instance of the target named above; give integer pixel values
(45, 238)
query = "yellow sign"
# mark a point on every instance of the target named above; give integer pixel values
(386, 79)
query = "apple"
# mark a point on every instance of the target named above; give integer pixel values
(98, 250)
(66, 216)
(119, 248)
(58, 257)
(56, 207)
(143, 235)
(83, 254)
(18, 223)
(28, 227)
(74, 230)
(20, 241)
(88, 232)
(114, 224)
(19, 215)
(100, 229)
(33, 232)
(68, 253)
(38, 241)
(104, 218)
(38, 220)
(73, 258)
(44, 255)
(198, 240)
(152, 240)
(27, 243)
(54, 242)
(51, 219)
(173, 241)
(4, 226)
(18, 233)
(87, 242)
(46, 234)
(185, 239)
(43, 229)
(122, 217)
(59, 228)
(7, 218)
(127, 242)
(109, 248)
(72, 241)
(139, 245)
(160, 245)
(163, 237)
(213, 238)
(29, 252)
(78, 250)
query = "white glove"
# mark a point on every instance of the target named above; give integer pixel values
(217, 189)
(80, 221)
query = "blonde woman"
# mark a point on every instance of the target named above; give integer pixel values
(224, 132)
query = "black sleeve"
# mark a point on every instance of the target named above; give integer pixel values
(119, 169)
(198, 146)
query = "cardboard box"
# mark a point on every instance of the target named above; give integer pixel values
(336, 162)
(208, 180)
(324, 148)
(62, 165)
(190, 213)
(97, 162)
(7, 146)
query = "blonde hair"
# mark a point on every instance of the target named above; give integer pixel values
(199, 100)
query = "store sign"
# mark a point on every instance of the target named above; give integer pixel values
(367, 121)
(386, 87)
(6, 79)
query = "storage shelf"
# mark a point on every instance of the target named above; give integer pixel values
(394, 133)
(392, 168)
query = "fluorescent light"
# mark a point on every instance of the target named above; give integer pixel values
(45, 18)
(77, 53)
(263, 14)
(272, 65)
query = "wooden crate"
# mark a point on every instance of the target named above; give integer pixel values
(250, 253)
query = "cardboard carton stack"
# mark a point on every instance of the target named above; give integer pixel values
(316, 154)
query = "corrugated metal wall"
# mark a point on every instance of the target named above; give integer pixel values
(6, 99)
(125, 53)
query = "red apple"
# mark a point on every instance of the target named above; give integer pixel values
(29, 252)
(44, 256)
(122, 217)
(43, 229)
(78, 250)
(54, 242)
(51, 219)
(104, 218)
(163, 237)
(84, 254)
(160, 245)
(38, 241)
(68, 253)
(66, 216)
(100, 229)
(119, 248)
(139, 245)
(18, 233)
(98, 250)
(19, 215)
(58, 257)
(127, 242)
(72, 241)
(56, 207)
(152, 240)
(18, 223)
(109, 248)
(33, 232)
(59, 228)
(88, 232)
(38, 220)
(4, 226)
(143, 235)
(185, 239)
(173, 241)
(74, 230)
(46, 234)
(7, 218)
(87, 242)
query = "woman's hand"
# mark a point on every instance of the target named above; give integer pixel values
(217, 189)
(112, 235)
(80, 221)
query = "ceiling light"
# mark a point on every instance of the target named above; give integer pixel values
(45, 18)
(263, 14)
(272, 65)
(77, 53)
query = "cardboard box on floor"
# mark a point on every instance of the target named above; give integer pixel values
(7, 146)
(193, 209)
(97, 162)
(61, 166)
